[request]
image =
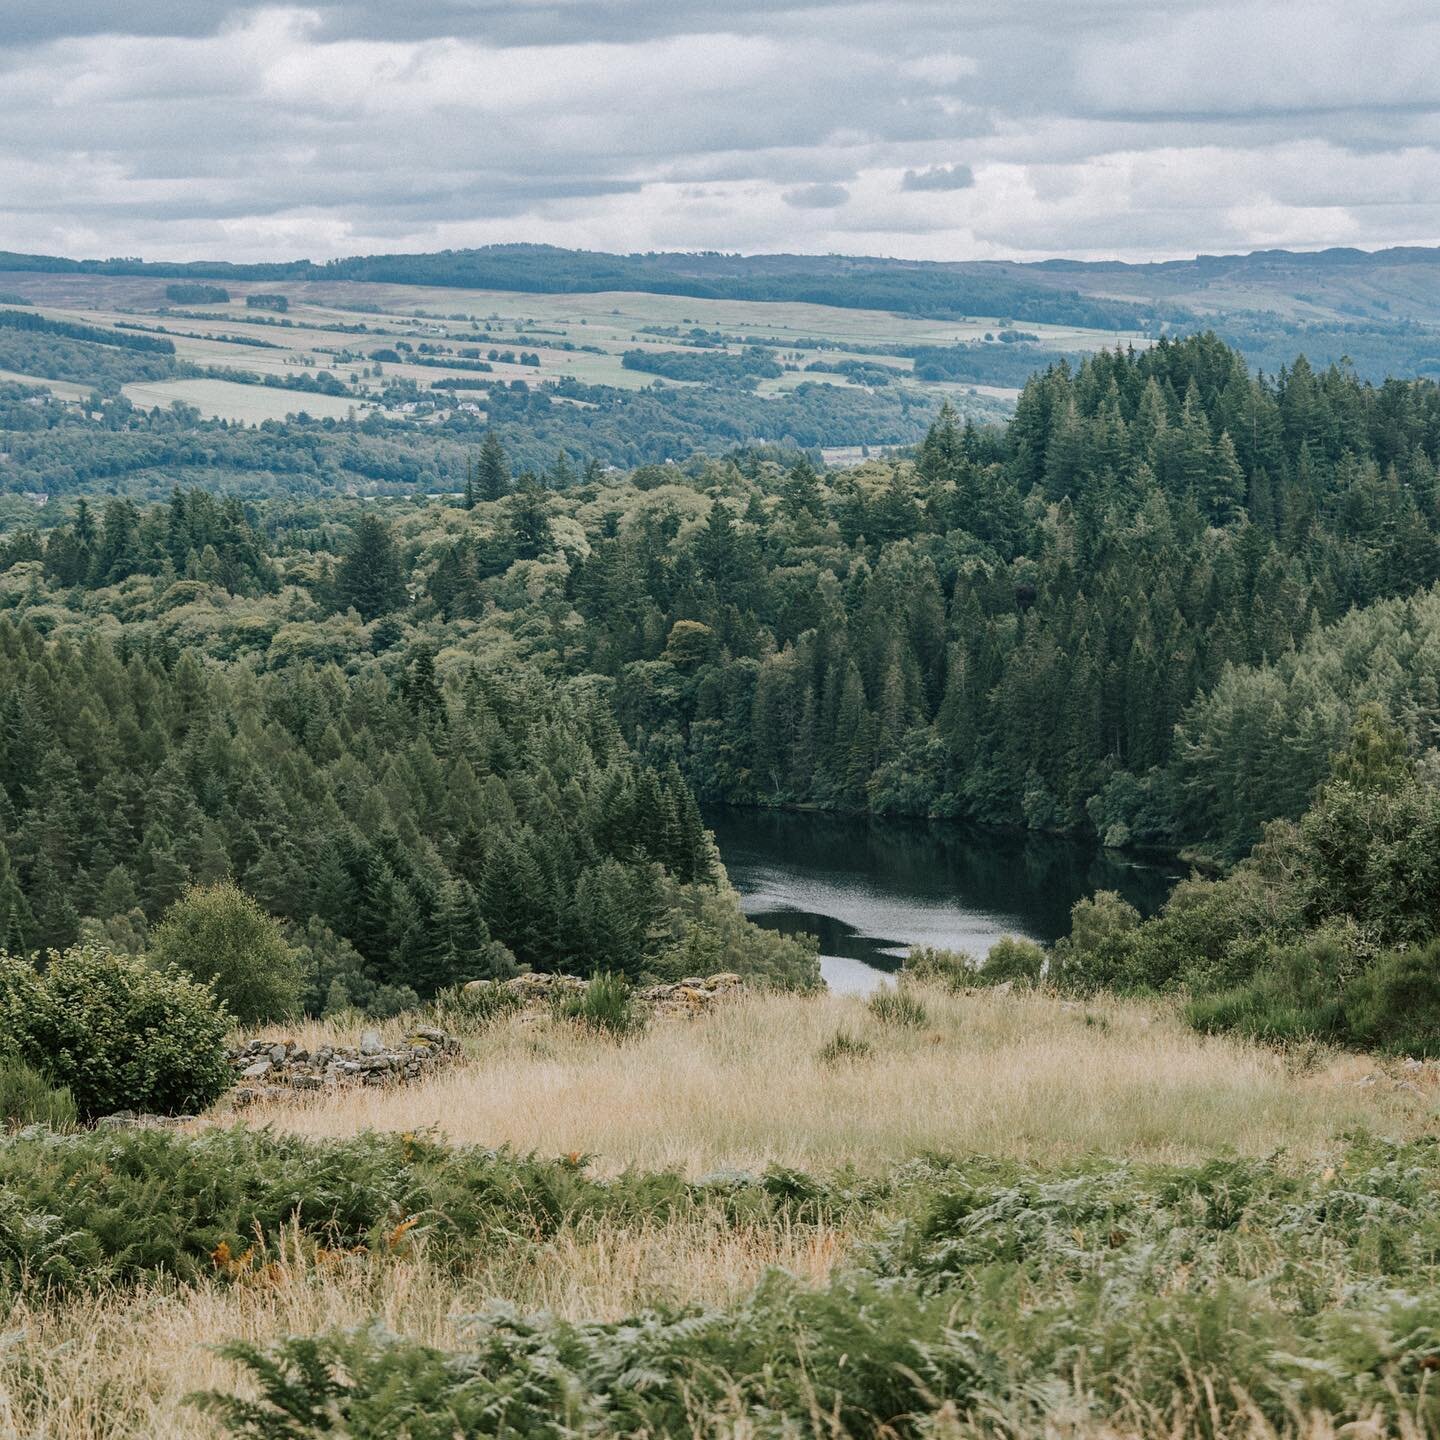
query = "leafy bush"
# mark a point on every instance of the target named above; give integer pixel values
(897, 1007)
(711, 935)
(124, 1036)
(469, 1011)
(843, 1046)
(218, 934)
(1012, 958)
(606, 1005)
(389, 1001)
(104, 1208)
(28, 1098)
(951, 968)
(1395, 1004)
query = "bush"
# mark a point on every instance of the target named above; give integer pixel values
(951, 968)
(897, 1007)
(218, 934)
(108, 1208)
(28, 1098)
(606, 1005)
(124, 1036)
(464, 1010)
(1395, 1004)
(1012, 958)
(1293, 993)
(842, 1045)
(389, 1001)
(1231, 1297)
(712, 935)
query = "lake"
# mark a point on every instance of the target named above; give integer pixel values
(870, 889)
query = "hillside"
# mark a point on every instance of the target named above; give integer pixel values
(1379, 308)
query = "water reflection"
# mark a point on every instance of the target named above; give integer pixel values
(870, 889)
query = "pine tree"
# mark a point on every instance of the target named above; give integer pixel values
(369, 579)
(492, 474)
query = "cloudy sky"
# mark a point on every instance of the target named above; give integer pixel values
(955, 130)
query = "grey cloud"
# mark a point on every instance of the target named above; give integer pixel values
(816, 197)
(1148, 125)
(939, 177)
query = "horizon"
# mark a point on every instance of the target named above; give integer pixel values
(743, 254)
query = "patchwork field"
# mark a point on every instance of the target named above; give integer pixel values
(337, 326)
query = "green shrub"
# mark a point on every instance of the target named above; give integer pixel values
(843, 1046)
(389, 1001)
(897, 1007)
(711, 935)
(217, 934)
(1291, 995)
(28, 1098)
(1395, 1004)
(606, 1005)
(104, 1208)
(124, 1036)
(1012, 958)
(951, 968)
(466, 1010)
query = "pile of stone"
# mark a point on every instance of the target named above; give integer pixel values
(689, 997)
(692, 996)
(273, 1069)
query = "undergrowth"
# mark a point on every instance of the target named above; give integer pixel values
(1214, 1299)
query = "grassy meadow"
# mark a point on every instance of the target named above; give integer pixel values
(1026, 1077)
(985, 1151)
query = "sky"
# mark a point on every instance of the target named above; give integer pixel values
(188, 129)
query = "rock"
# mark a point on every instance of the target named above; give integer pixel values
(286, 1067)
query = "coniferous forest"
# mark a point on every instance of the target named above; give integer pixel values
(440, 736)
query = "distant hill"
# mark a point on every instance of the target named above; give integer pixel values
(942, 291)
(1380, 310)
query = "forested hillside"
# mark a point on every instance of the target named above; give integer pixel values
(1008, 626)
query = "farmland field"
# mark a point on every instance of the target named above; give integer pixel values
(338, 326)
(227, 400)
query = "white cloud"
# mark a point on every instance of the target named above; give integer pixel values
(930, 128)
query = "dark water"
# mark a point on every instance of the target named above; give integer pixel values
(870, 889)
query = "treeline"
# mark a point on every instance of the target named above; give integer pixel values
(1008, 626)
(55, 450)
(1011, 628)
(416, 831)
(105, 368)
(90, 334)
(194, 537)
(753, 363)
(1328, 930)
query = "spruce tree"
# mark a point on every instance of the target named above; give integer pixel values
(369, 579)
(492, 473)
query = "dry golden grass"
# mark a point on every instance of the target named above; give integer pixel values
(1020, 1075)
(118, 1367)
(1017, 1075)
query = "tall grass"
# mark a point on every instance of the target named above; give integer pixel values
(1022, 1075)
(118, 1366)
